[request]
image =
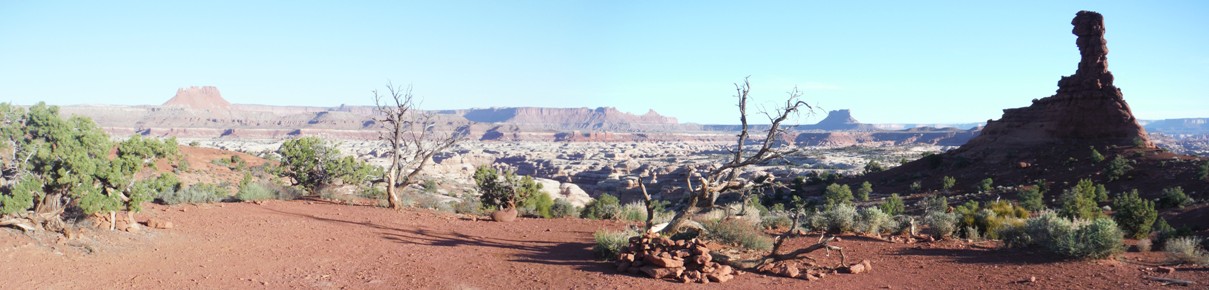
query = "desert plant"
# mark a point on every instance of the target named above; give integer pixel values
(1096, 239)
(537, 205)
(837, 194)
(563, 208)
(194, 194)
(467, 205)
(1079, 201)
(634, 211)
(1117, 168)
(1174, 197)
(873, 166)
(871, 220)
(894, 205)
(916, 186)
(840, 219)
(737, 232)
(947, 183)
(253, 191)
(942, 224)
(1101, 193)
(605, 207)
(864, 191)
(407, 138)
(1187, 250)
(609, 243)
(935, 203)
(1032, 199)
(1134, 214)
(986, 185)
(313, 163)
(1096, 157)
(1204, 172)
(1144, 245)
(776, 220)
(502, 189)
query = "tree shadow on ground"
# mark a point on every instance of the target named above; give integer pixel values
(574, 254)
(982, 256)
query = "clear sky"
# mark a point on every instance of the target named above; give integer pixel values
(893, 61)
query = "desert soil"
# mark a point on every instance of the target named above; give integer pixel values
(316, 244)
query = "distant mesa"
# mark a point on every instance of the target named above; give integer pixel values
(838, 120)
(205, 97)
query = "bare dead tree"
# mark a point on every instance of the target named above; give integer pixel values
(719, 179)
(411, 136)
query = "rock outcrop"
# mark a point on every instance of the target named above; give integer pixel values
(206, 97)
(1086, 110)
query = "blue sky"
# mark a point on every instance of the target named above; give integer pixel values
(894, 61)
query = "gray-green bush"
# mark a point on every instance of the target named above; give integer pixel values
(940, 223)
(1094, 239)
(194, 194)
(1187, 250)
(737, 232)
(841, 218)
(872, 220)
(563, 208)
(609, 243)
(605, 207)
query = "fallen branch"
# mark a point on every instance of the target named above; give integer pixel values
(22, 224)
(1167, 281)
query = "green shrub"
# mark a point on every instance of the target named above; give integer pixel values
(609, 243)
(1204, 174)
(1174, 197)
(942, 224)
(737, 232)
(468, 206)
(872, 220)
(634, 211)
(1134, 214)
(1097, 239)
(935, 203)
(1096, 157)
(1101, 193)
(1118, 167)
(194, 194)
(873, 167)
(947, 183)
(841, 218)
(1187, 250)
(563, 208)
(986, 185)
(1032, 199)
(776, 220)
(254, 191)
(537, 205)
(837, 194)
(894, 205)
(372, 192)
(916, 186)
(605, 207)
(864, 191)
(499, 190)
(1079, 201)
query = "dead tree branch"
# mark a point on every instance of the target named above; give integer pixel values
(410, 134)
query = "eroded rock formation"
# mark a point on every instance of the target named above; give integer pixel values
(1087, 108)
(206, 97)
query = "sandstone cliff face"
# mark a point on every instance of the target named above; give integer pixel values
(206, 97)
(1087, 108)
(604, 118)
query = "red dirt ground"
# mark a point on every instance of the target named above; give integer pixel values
(315, 244)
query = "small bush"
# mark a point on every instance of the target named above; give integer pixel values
(194, 194)
(467, 205)
(254, 191)
(1117, 168)
(372, 192)
(986, 185)
(1144, 245)
(609, 243)
(1187, 250)
(942, 224)
(1134, 214)
(776, 220)
(916, 186)
(1099, 238)
(634, 211)
(935, 203)
(1174, 197)
(894, 205)
(605, 207)
(1204, 173)
(947, 183)
(1096, 157)
(563, 208)
(872, 220)
(837, 194)
(1080, 201)
(737, 232)
(537, 205)
(1032, 199)
(841, 218)
(863, 192)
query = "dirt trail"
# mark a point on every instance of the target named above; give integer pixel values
(313, 244)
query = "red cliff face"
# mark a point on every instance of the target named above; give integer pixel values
(1086, 110)
(206, 97)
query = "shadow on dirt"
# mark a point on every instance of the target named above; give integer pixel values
(574, 254)
(980, 256)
